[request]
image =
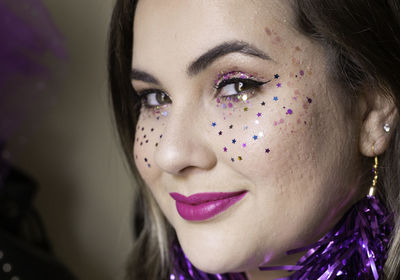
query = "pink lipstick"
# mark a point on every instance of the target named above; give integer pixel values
(202, 206)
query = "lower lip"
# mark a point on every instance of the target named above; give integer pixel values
(206, 210)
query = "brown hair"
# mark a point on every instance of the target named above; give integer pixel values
(363, 38)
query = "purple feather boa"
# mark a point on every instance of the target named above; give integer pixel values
(356, 248)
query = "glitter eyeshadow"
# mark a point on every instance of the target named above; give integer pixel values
(231, 75)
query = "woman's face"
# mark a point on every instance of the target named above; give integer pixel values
(239, 101)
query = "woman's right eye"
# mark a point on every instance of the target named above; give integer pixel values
(152, 98)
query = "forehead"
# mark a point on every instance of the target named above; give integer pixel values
(174, 32)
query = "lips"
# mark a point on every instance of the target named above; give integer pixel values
(202, 206)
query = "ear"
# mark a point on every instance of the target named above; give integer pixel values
(378, 110)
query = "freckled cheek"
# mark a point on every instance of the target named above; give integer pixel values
(149, 133)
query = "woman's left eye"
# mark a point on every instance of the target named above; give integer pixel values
(236, 86)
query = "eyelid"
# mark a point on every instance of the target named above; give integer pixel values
(235, 80)
(144, 92)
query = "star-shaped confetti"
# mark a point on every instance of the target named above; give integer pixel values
(276, 76)
(278, 85)
(160, 135)
(289, 112)
(255, 137)
(225, 149)
(231, 126)
(232, 159)
(267, 150)
(220, 133)
(244, 145)
(152, 129)
(213, 124)
(239, 158)
(149, 165)
(145, 159)
(275, 98)
(309, 100)
(234, 141)
(259, 114)
(245, 109)
(263, 103)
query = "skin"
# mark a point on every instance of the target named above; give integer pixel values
(299, 189)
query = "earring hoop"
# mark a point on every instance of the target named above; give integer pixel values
(372, 189)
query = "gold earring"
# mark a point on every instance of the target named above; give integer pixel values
(375, 171)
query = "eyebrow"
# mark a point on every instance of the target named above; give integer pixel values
(207, 59)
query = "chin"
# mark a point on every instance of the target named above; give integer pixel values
(213, 257)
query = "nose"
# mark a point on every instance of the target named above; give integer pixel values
(184, 147)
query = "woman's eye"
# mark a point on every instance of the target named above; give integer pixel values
(154, 98)
(232, 87)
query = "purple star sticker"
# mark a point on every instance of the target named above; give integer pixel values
(258, 114)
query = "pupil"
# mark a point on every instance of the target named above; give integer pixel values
(161, 98)
(240, 86)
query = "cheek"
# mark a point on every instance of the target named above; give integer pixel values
(149, 133)
(247, 128)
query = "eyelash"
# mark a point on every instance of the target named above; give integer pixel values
(254, 84)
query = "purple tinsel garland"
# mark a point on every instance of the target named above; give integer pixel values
(356, 248)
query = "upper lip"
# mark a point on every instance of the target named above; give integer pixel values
(199, 198)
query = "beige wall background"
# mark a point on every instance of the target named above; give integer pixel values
(71, 149)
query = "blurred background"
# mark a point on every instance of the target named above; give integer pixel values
(67, 142)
